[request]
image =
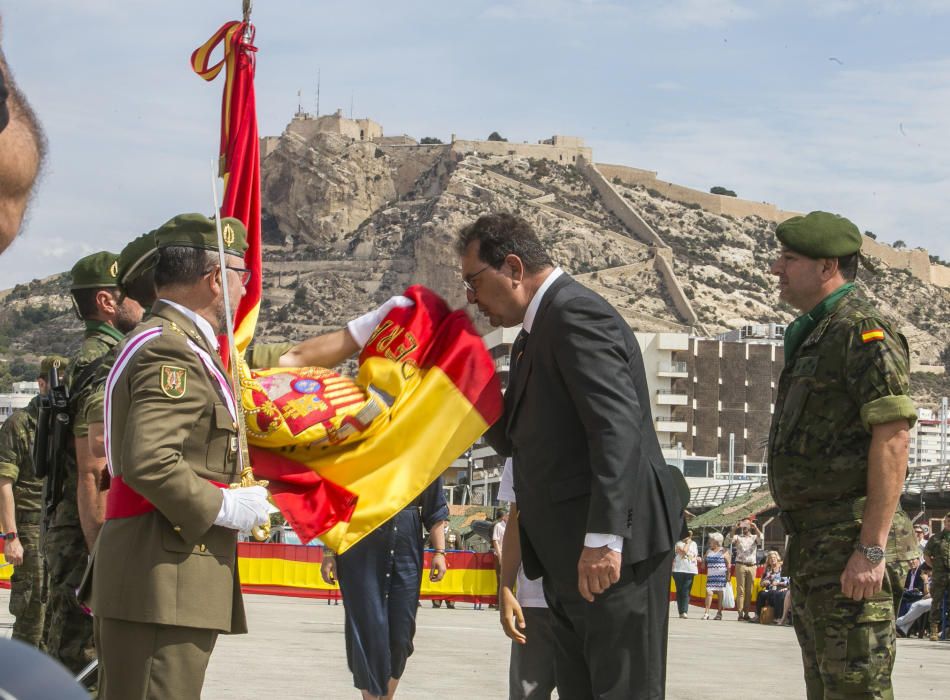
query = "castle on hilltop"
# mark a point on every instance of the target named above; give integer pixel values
(570, 150)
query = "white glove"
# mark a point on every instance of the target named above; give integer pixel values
(243, 508)
(362, 328)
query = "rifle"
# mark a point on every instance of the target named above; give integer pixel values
(49, 445)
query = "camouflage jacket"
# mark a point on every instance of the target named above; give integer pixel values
(16, 459)
(99, 340)
(938, 549)
(849, 374)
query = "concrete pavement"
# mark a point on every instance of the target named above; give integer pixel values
(295, 650)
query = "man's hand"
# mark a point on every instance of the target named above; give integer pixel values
(328, 569)
(439, 567)
(512, 617)
(597, 570)
(13, 551)
(862, 579)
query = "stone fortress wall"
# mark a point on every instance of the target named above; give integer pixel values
(713, 203)
(570, 150)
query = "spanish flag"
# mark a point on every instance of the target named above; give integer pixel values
(239, 157)
(428, 391)
(873, 334)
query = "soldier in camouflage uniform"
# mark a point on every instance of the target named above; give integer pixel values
(837, 462)
(107, 317)
(21, 510)
(937, 556)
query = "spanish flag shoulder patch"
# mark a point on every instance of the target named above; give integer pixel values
(872, 335)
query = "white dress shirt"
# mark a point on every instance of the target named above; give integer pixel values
(591, 539)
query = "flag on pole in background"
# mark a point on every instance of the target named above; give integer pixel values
(240, 156)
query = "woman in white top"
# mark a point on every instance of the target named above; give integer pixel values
(684, 568)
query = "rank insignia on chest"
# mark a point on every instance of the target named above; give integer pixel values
(173, 381)
(872, 335)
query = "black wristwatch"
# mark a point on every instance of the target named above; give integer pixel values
(9, 536)
(872, 552)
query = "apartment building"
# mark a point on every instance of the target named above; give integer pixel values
(929, 437)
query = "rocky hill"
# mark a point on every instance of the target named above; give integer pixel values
(348, 223)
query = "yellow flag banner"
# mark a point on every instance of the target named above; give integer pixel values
(344, 456)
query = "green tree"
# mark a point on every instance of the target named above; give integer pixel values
(430, 141)
(495, 136)
(300, 296)
(871, 235)
(900, 244)
(723, 191)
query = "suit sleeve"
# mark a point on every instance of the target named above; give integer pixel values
(592, 358)
(497, 436)
(157, 427)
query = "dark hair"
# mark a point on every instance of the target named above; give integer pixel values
(848, 266)
(500, 235)
(181, 265)
(85, 299)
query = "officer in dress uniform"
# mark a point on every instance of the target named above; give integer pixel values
(163, 579)
(21, 513)
(163, 575)
(107, 317)
(837, 462)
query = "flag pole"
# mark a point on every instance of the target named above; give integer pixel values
(261, 532)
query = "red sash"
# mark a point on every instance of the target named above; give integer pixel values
(125, 502)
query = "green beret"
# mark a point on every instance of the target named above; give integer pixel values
(46, 364)
(136, 256)
(820, 235)
(198, 231)
(96, 270)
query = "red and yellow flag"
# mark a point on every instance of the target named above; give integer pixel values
(433, 390)
(240, 156)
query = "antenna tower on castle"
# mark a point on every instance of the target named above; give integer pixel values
(299, 105)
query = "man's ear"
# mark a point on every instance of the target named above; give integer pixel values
(517, 268)
(106, 302)
(829, 268)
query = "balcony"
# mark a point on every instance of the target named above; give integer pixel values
(669, 425)
(666, 397)
(673, 369)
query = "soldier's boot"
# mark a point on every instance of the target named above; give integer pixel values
(934, 632)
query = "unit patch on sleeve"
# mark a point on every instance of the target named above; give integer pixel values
(872, 335)
(173, 380)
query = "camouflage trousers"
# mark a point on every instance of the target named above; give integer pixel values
(70, 628)
(939, 584)
(28, 589)
(848, 647)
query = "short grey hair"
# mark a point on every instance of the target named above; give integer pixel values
(717, 536)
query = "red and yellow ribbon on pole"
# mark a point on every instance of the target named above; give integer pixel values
(239, 155)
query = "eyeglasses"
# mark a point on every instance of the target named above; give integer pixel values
(467, 281)
(244, 273)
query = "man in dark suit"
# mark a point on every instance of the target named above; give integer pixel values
(599, 510)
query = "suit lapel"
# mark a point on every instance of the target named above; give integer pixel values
(531, 347)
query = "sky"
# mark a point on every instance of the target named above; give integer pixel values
(841, 105)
